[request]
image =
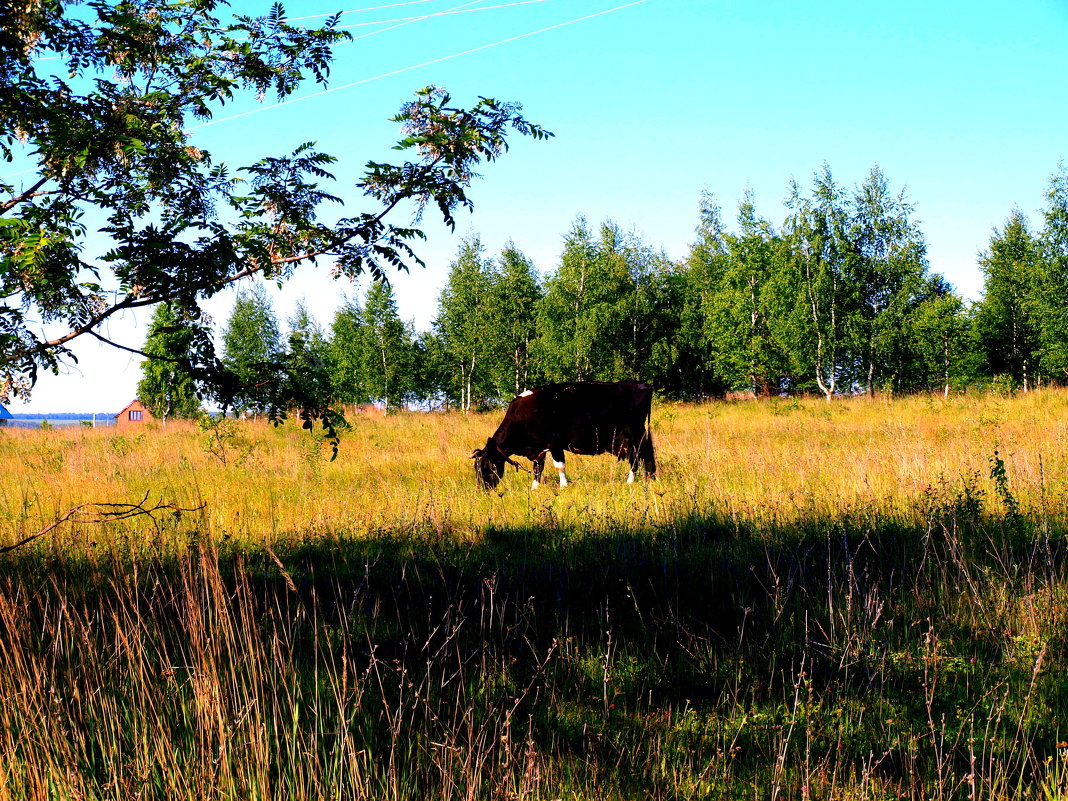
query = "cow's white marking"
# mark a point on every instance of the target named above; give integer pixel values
(630, 478)
(535, 484)
(560, 469)
(525, 393)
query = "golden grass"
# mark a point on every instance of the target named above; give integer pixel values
(773, 463)
(866, 599)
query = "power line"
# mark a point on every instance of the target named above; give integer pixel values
(409, 68)
(411, 21)
(422, 64)
(414, 20)
(361, 10)
(403, 20)
(364, 24)
(439, 14)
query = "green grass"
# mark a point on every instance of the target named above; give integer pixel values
(861, 600)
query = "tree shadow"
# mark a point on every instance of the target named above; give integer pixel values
(589, 636)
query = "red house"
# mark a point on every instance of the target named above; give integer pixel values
(133, 415)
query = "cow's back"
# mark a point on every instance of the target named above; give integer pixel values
(594, 417)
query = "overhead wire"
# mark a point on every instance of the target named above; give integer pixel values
(360, 10)
(364, 10)
(411, 67)
(428, 63)
(414, 20)
(411, 21)
(439, 14)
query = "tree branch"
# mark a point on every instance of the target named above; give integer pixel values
(130, 302)
(104, 513)
(135, 351)
(10, 204)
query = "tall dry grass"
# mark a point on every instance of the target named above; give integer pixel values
(865, 599)
(775, 463)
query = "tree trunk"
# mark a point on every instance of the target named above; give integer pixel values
(945, 393)
(385, 381)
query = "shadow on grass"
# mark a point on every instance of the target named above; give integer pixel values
(856, 647)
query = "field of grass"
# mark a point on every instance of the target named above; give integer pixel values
(866, 599)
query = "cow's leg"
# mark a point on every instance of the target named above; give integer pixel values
(632, 462)
(647, 455)
(539, 468)
(558, 463)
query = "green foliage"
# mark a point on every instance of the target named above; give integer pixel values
(940, 334)
(346, 355)
(596, 317)
(826, 303)
(306, 361)
(373, 354)
(223, 439)
(387, 356)
(697, 371)
(1006, 325)
(511, 305)
(464, 326)
(252, 349)
(110, 129)
(168, 388)
(839, 300)
(829, 303)
(1052, 302)
(1000, 476)
(887, 264)
(745, 303)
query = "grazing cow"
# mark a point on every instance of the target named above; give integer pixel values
(586, 417)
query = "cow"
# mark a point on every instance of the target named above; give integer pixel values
(584, 417)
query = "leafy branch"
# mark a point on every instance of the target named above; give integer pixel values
(112, 141)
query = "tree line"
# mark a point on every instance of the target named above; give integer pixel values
(839, 298)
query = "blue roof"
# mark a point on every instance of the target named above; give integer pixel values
(4, 413)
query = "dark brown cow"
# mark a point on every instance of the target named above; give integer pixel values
(586, 417)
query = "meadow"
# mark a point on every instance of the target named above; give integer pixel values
(863, 599)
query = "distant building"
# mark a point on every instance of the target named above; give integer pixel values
(133, 415)
(5, 416)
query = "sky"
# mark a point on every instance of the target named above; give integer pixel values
(963, 105)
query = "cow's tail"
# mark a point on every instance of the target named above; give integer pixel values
(647, 433)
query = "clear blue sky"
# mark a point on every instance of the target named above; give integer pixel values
(963, 105)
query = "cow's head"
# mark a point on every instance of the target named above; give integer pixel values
(489, 464)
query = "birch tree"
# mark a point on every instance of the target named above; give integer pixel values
(826, 300)
(582, 318)
(886, 262)
(167, 387)
(512, 305)
(1006, 324)
(345, 354)
(740, 327)
(1052, 303)
(465, 322)
(307, 360)
(387, 358)
(939, 329)
(252, 345)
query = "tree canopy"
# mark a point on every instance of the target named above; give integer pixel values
(105, 125)
(166, 388)
(840, 294)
